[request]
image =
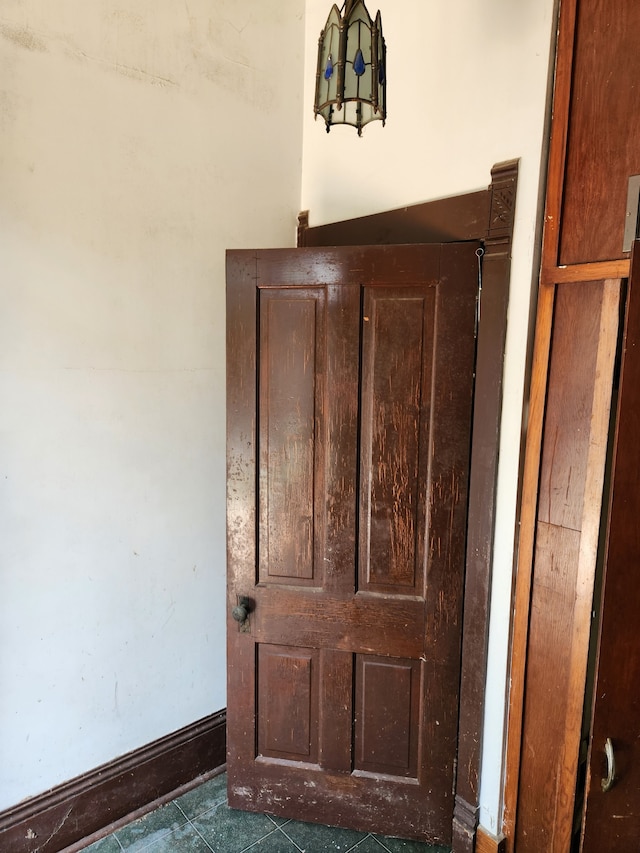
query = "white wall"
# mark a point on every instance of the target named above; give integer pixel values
(138, 140)
(466, 89)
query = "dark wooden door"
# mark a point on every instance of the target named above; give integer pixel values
(612, 817)
(350, 380)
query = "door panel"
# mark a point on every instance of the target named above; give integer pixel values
(292, 336)
(287, 707)
(350, 379)
(603, 150)
(386, 736)
(612, 818)
(396, 400)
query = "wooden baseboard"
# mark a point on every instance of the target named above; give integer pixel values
(83, 806)
(487, 843)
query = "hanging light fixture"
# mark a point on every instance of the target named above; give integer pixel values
(351, 81)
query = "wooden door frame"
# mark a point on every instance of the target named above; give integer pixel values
(486, 215)
(553, 274)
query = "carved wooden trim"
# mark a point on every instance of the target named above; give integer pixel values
(303, 224)
(89, 805)
(504, 178)
(465, 825)
(482, 487)
(486, 215)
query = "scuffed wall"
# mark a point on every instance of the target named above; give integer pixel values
(138, 140)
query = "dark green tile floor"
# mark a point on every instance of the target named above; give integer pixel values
(200, 821)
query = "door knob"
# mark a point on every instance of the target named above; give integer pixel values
(241, 610)
(607, 784)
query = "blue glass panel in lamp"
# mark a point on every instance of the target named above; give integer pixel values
(381, 73)
(328, 71)
(358, 65)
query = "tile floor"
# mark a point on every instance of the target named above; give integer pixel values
(200, 821)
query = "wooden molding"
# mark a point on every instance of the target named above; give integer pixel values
(63, 816)
(445, 220)
(487, 843)
(597, 271)
(504, 179)
(482, 483)
(559, 132)
(536, 410)
(303, 225)
(465, 824)
(522, 597)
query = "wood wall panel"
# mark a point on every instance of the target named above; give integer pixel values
(574, 447)
(611, 818)
(574, 361)
(604, 128)
(594, 148)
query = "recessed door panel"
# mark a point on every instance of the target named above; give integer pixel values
(387, 716)
(291, 372)
(397, 343)
(288, 681)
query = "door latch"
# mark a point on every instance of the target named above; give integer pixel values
(607, 784)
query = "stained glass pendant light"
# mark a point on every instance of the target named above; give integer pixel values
(351, 81)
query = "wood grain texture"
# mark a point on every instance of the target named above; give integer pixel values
(487, 843)
(413, 635)
(387, 714)
(574, 446)
(461, 217)
(594, 148)
(525, 551)
(292, 332)
(604, 140)
(396, 418)
(559, 134)
(612, 818)
(575, 270)
(82, 807)
(487, 216)
(585, 272)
